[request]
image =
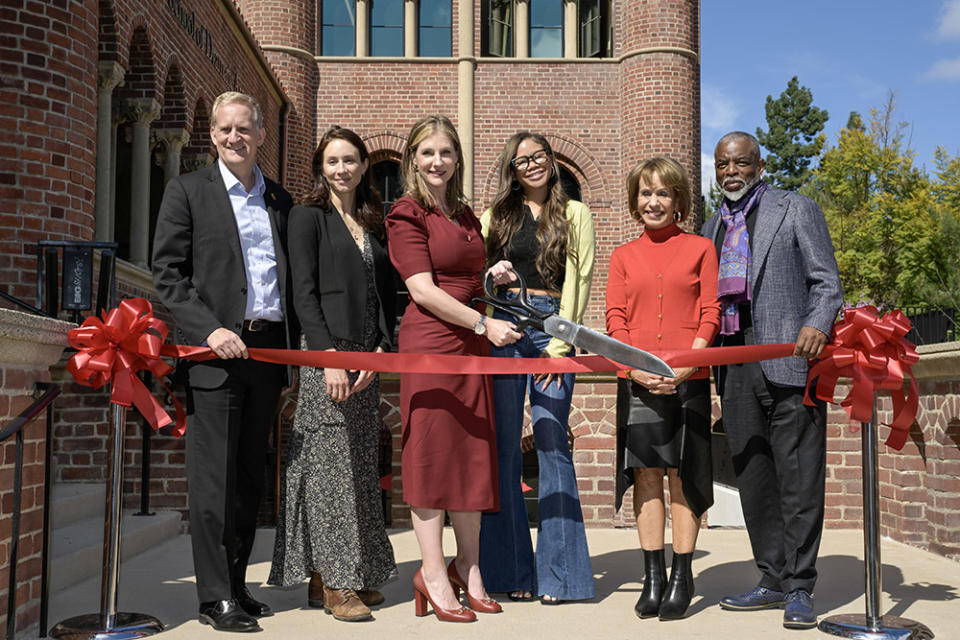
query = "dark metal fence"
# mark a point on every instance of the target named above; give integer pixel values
(932, 325)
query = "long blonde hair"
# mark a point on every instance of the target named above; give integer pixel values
(413, 184)
(506, 213)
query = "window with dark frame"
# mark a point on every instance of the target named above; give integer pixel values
(435, 28)
(498, 19)
(546, 28)
(387, 180)
(593, 18)
(338, 28)
(386, 27)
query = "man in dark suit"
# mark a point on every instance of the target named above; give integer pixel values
(778, 283)
(220, 267)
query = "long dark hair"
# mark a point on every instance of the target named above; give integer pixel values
(506, 213)
(369, 203)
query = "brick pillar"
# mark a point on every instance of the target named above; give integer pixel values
(293, 25)
(49, 96)
(660, 77)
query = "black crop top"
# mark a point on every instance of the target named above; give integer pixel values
(523, 251)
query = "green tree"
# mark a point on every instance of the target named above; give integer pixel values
(794, 137)
(887, 225)
(940, 254)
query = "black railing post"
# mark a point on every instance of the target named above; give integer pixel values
(15, 537)
(45, 554)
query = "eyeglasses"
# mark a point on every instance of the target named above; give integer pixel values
(520, 163)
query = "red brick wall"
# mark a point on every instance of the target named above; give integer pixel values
(48, 106)
(919, 485)
(16, 389)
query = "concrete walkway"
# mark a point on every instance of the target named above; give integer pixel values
(916, 585)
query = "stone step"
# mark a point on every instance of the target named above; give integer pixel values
(76, 540)
(72, 502)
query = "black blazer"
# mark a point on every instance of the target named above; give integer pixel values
(198, 266)
(330, 282)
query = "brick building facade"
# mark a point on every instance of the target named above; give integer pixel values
(102, 101)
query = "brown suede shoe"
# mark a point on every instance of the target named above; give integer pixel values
(345, 605)
(315, 591)
(370, 597)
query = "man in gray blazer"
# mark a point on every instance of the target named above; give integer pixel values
(778, 283)
(220, 267)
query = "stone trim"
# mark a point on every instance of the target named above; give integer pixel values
(30, 339)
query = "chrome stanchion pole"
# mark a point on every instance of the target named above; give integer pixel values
(873, 625)
(109, 623)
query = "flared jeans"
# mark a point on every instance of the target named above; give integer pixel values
(561, 565)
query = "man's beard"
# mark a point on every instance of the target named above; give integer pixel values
(733, 196)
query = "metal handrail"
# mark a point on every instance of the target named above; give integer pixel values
(26, 305)
(44, 402)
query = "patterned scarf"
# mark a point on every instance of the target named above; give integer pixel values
(734, 285)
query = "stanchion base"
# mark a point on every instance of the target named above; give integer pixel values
(91, 627)
(852, 625)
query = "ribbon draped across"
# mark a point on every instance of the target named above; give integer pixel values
(871, 351)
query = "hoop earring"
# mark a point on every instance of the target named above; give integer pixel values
(676, 216)
(515, 186)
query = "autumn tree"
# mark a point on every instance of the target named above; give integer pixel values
(893, 227)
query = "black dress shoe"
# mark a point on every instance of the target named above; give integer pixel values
(226, 615)
(253, 607)
(798, 610)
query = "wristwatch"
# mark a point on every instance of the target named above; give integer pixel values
(480, 326)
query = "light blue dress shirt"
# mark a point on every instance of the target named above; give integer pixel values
(256, 243)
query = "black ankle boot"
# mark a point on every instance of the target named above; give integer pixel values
(654, 582)
(679, 589)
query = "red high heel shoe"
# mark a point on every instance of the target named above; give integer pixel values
(421, 596)
(483, 605)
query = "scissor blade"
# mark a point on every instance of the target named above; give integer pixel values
(588, 339)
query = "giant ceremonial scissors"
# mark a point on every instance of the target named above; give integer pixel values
(571, 332)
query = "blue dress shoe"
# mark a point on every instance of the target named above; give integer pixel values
(798, 610)
(753, 600)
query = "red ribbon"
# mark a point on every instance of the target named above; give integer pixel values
(128, 339)
(871, 351)
(874, 353)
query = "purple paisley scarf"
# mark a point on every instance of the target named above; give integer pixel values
(734, 284)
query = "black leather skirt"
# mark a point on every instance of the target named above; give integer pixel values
(670, 431)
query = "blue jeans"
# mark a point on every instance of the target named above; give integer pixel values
(562, 567)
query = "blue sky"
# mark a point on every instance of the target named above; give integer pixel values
(849, 53)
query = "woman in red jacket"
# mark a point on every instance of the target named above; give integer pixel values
(662, 294)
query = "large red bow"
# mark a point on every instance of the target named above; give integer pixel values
(114, 349)
(875, 354)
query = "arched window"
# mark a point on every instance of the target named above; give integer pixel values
(569, 183)
(386, 178)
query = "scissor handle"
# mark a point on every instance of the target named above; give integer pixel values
(525, 313)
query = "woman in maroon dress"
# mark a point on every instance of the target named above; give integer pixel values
(449, 459)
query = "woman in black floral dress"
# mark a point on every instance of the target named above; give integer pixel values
(331, 525)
